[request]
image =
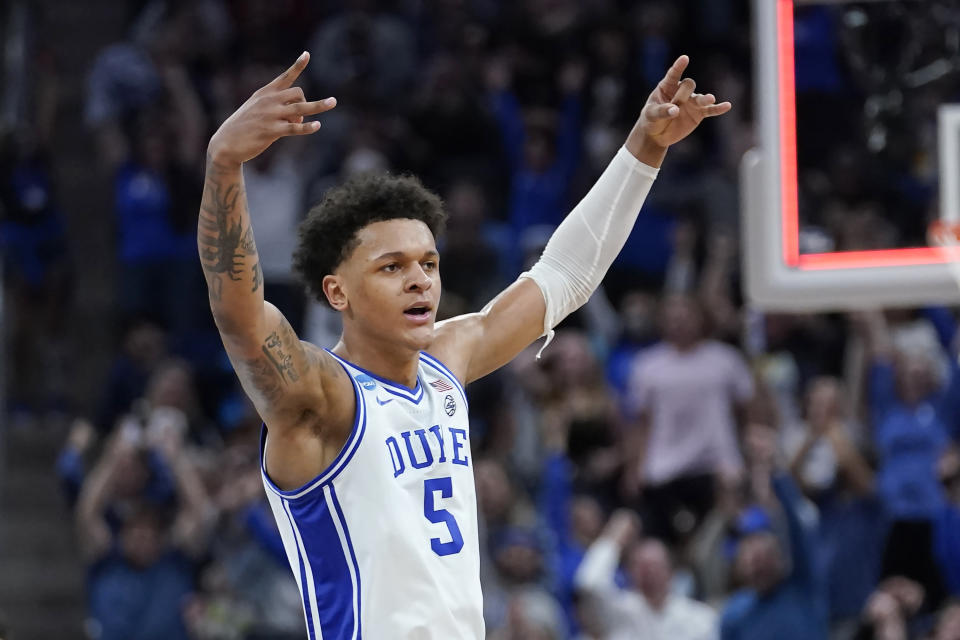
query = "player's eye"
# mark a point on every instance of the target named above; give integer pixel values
(390, 268)
(429, 265)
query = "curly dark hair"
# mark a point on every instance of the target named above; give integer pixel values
(328, 235)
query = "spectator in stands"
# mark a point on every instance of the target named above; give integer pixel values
(891, 613)
(172, 387)
(247, 591)
(449, 119)
(572, 522)
(542, 149)
(532, 616)
(33, 247)
(364, 54)
(638, 323)
(908, 407)
(156, 193)
(647, 609)
(828, 464)
(472, 269)
(687, 395)
(141, 567)
(781, 598)
(143, 347)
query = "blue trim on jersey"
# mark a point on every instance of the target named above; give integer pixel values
(336, 598)
(414, 395)
(308, 612)
(431, 361)
(353, 555)
(338, 464)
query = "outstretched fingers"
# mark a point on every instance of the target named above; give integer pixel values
(286, 79)
(675, 72)
(310, 108)
(716, 109)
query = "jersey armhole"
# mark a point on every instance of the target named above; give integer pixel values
(339, 463)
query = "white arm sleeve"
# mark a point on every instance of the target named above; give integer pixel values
(597, 571)
(586, 243)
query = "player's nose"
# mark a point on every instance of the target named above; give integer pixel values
(419, 279)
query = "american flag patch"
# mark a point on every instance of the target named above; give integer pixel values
(441, 385)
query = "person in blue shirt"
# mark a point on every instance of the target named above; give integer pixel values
(910, 414)
(781, 599)
(141, 571)
(573, 522)
(542, 155)
(849, 541)
(36, 279)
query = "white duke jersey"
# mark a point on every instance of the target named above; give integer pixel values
(383, 543)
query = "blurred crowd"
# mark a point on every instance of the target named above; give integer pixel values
(676, 466)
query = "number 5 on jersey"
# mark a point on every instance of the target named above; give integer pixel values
(437, 516)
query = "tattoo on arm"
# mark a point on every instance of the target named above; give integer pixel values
(270, 377)
(247, 245)
(224, 243)
(263, 378)
(270, 373)
(257, 277)
(278, 349)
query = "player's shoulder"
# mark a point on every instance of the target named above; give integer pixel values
(454, 341)
(323, 359)
(327, 369)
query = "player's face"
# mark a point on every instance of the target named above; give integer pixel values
(391, 282)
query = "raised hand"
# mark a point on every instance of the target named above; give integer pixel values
(673, 111)
(272, 112)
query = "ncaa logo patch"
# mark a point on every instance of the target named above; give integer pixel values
(366, 381)
(449, 405)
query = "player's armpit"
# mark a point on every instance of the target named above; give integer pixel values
(477, 344)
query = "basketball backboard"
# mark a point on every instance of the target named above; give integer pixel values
(779, 273)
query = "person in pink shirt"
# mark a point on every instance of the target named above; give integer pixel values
(687, 394)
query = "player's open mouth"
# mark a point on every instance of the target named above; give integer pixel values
(419, 313)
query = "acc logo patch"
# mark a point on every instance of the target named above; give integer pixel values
(449, 405)
(366, 381)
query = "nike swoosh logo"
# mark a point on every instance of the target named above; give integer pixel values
(383, 402)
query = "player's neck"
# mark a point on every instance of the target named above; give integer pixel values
(393, 362)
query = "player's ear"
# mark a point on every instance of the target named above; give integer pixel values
(333, 289)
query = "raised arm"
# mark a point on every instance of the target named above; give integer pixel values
(597, 572)
(585, 244)
(284, 377)
(801, 550)
(98, 489)
(262, 346)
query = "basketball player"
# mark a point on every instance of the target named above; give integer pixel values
(366, 446)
